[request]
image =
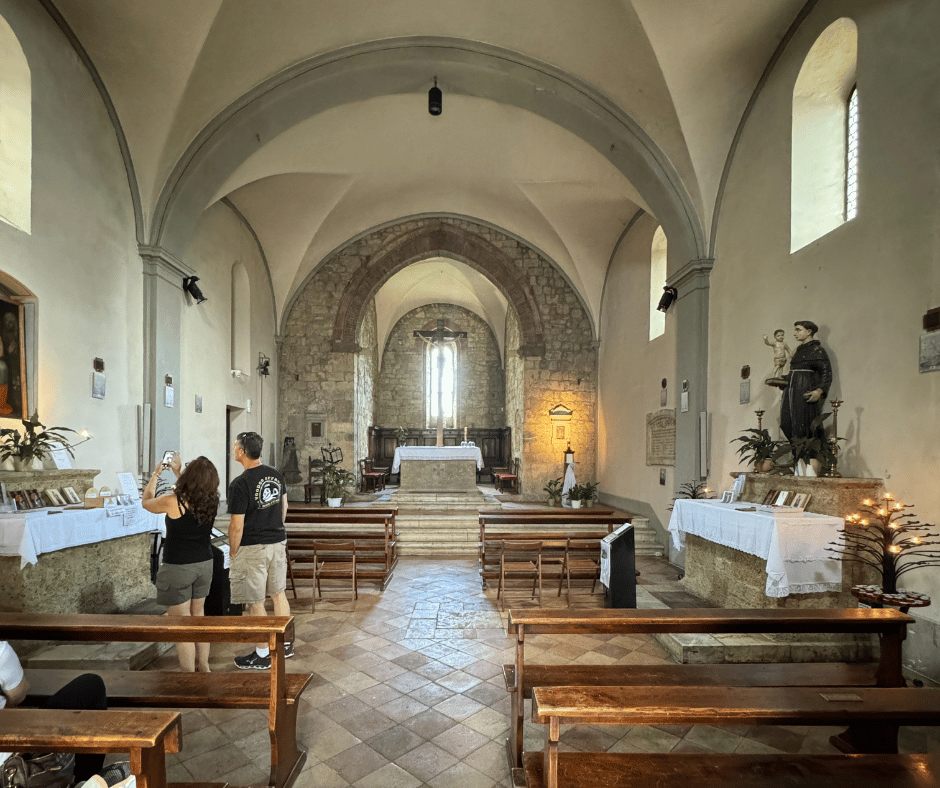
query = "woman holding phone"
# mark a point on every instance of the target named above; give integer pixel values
(186, 572)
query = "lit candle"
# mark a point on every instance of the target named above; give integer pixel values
(867, 502)
(888, 496)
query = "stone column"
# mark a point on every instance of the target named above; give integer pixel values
(164, 301)
(691, 308)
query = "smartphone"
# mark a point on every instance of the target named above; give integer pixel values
(167, 458)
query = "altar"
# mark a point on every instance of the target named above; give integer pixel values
(437, 468)
(76, 560)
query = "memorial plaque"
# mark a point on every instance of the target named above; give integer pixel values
(661, 438)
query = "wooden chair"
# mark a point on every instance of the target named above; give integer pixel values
(519, 560)
(386, 471)
(314, 480)
(339, 564)
(580, 567)
(370, 480)
(508, 480)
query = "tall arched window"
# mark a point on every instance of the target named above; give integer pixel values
(819, 173)
(446, 382)
(657, 282)
(16, 132)
(851, 157)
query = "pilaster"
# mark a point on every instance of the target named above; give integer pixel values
(163, 313)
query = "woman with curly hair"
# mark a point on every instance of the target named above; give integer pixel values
(186, 572)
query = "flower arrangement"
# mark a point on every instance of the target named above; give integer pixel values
(881, 535)
(402, 435)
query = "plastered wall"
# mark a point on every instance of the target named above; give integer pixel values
(631, 371)
(80, 259)
(867, 283)
(206, 342)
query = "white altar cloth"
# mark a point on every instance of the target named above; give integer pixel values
(437, 453)
(29, 534)
(793, 543)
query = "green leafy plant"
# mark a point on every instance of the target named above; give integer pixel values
(34, 442)
(554, 487)
(336, 480)
(402, 435)
(756, 446)
(588, 493)
(691, 490)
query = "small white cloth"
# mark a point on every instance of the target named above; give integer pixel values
(794, 544)
(567, 485)
(437, 453)
(29, 534)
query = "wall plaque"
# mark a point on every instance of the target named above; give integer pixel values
(661, 437)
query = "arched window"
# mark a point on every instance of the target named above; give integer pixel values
(16, 132)
(820, 150)
(241, 319)
(434, 380)
(657, 282)
(851, 157)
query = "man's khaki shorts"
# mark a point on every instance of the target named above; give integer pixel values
(257, 571)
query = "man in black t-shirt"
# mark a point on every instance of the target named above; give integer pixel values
(257, 503)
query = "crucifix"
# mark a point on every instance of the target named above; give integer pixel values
(438, 338)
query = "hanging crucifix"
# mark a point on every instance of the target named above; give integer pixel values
(439, 337)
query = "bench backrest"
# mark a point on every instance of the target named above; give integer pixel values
(708, 620)
(152, 629)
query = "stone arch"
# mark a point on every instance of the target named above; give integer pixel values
(364, 71)
(439, 240)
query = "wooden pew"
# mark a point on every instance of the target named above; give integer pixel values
(373, 530)
(273, 690)
(521, 678)
(551, 526)
(146, 735)
(683, 705)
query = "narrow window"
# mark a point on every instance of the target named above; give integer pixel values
(241, 319)
(434, 380)
(851, 158)
(657, 282)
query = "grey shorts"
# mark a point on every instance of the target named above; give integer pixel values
(257, 571)
(179, 583)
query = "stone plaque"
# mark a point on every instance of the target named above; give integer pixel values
(661, 437)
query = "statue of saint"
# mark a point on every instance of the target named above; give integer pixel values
(807, 384)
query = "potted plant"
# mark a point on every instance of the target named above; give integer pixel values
(335, 482)
(814, 451)
(33, 443)
(402, 435)
(588, 494)
(553, 487)
(757, 447)
(574, 495)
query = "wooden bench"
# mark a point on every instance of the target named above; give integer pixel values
(682, 705)
(273, 690)
(146, 735)
(521, 678)
(373, 531)
(551, 526)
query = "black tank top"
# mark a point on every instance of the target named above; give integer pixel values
(187, 541)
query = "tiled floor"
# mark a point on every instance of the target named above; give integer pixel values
(408, 691)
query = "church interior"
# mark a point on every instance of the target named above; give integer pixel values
(235, 215)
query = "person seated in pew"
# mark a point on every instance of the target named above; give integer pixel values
(185, 576)
(86, 692)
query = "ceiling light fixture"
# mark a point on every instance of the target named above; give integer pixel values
(668, 296)
(190, 286)
(435, 100)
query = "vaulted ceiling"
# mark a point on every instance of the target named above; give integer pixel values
(678, 72)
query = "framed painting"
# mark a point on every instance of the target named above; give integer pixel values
(13, 383)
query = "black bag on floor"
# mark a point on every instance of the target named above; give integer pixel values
(46, 770)
(219, 598)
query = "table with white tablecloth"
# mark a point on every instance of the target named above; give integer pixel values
(793, 543)
(438, 468)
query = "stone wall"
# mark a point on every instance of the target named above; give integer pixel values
(314, 379)
(366, 364)
(400, 391)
